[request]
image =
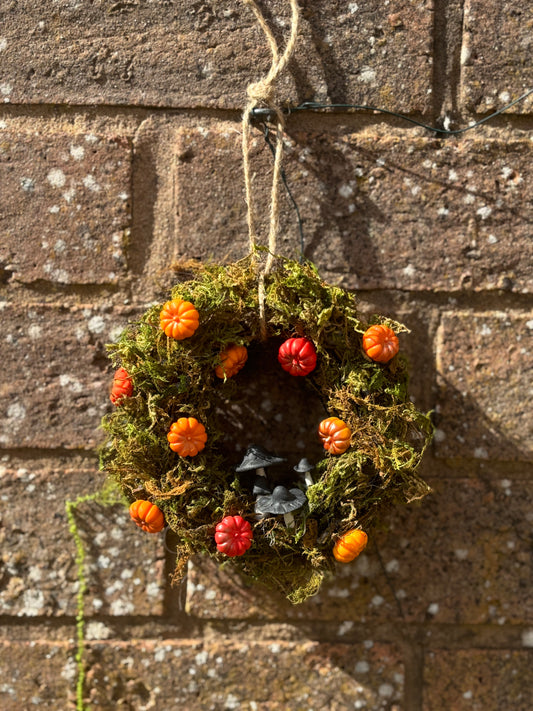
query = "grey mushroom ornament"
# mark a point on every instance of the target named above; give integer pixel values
(305, 467)
(281, 501)
(258, 459)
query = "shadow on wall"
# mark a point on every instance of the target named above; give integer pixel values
(417, 214)
(279, 412)
(496, 430)
(346, 211)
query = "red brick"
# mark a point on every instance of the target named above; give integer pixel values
(65, 211)
(462, 556)
(37, 675)
(478, 680)
(123, 565)
(379, 213)
(56, 374)
(485, 376)
(437, 563)
(205, 54)
(496, 55)
(229, 673)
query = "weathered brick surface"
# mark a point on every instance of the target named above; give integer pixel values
(123, 565)
(496, 55)
(478, 680)
(228, 674)
(206, 53)
(485, 376)
(65, 214)
(38, 675)
(56, 374)
(379, 213)
(102, 188)
(460, 557)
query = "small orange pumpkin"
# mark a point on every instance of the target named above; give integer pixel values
(187, 436)
(380, 343)
(335, 435)
(147, 516)
(179, 319)
(350, 545)
(231, 361)
(122, 386)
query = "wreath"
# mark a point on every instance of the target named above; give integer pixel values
(279, 522)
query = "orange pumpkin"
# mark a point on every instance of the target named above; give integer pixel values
(122, 386)
(187, 436)
(335, 435)
(179, 319)
(147, 516)
(231, 361)
(350, 545)
(380, 343)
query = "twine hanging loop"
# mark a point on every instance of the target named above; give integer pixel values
(263, 92)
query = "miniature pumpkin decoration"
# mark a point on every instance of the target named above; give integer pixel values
(380, 343)
(122, 386)
(147, 516)
(179, 319)
(350, 545)
(232, 360)
(335, 435)
(297, 356)
(233, 536)
(187, 436)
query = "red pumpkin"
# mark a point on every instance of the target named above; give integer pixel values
(297, 356)
(380, 343)
(233, 536)
(122, 386)
(147, 516)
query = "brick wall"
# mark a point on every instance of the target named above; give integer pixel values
(119, 153)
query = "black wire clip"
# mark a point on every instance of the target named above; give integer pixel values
(260, 113)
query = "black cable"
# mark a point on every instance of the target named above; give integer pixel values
(315, 106)
(265, 114)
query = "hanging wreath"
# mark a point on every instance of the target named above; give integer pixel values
(179, 366)
(178, 373)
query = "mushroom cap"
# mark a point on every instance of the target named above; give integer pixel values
(257, 457)
(303, 466)
(260, 486)
(280, 501)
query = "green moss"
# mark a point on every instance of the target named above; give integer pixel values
(107, 496)
(176, 378)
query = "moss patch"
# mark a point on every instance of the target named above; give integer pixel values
(173, 379)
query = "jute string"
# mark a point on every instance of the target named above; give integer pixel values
(263, 92)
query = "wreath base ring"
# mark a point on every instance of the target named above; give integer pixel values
(176, 378)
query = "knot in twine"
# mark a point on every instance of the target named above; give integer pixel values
(260, 92)
(263, 91)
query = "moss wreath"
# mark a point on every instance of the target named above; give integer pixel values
(176, 378)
